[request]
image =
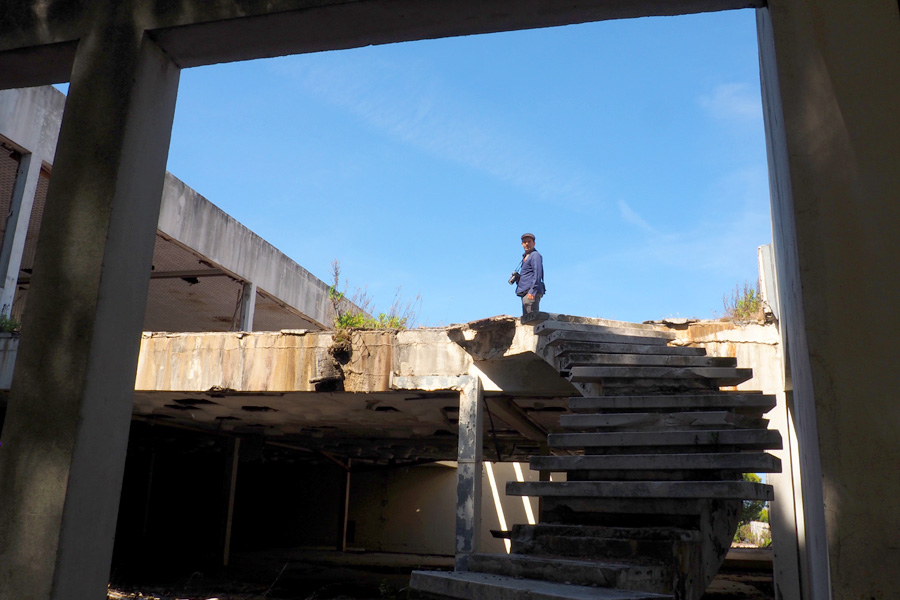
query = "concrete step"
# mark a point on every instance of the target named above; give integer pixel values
(597, 548)
(589, 359)
(608, 574)
(743, 402)
(609, 337)
(437, 585)
(564, 348)
(743, 462)
(644, 533)
(658, 420)
(721, 375)
(548, 327)
(603, 543)
(542, 317)
(747, 439)
(712, 490)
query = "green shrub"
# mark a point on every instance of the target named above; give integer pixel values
(355, 313)
(744, 304)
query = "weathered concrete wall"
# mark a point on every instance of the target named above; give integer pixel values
(753, 345)
(831, 85)
(288, 361)
(413, 509)
(30, 118)
(199, 362)
(405, 510)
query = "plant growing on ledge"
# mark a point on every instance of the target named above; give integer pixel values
(9, 324)
(744, 304)
(355, 313)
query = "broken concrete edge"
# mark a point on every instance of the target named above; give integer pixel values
(540, 317)
(432, 383)
(704, 330)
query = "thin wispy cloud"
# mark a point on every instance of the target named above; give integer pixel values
(730, 101)
(714, 242)
(409, 104)
(629, 216)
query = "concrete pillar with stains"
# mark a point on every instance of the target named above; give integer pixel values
(468, 486)
(66, 430)
(248, 306)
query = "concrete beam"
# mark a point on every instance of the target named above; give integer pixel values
(333, 25)
(510, 412)
(69, 411)
(37, 65)
(193, 221)
(198, 32)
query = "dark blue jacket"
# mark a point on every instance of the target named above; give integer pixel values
(531, 277)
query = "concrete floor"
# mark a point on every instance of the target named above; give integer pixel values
(302, 574)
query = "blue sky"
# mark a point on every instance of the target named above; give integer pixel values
(634, 150)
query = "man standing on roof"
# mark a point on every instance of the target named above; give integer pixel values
(531, 276)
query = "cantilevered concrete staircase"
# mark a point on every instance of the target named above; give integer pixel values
(653, 458)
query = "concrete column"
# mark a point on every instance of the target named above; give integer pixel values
(231, 471)
(66, 431)
(785, 519)
(27, 177)
(831, 85)
(344, 510)
(248, 306)
(468, 483)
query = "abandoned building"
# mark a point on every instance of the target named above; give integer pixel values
(116, 249)
(354, 442)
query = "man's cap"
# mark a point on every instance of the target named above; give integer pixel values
(528, 235)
